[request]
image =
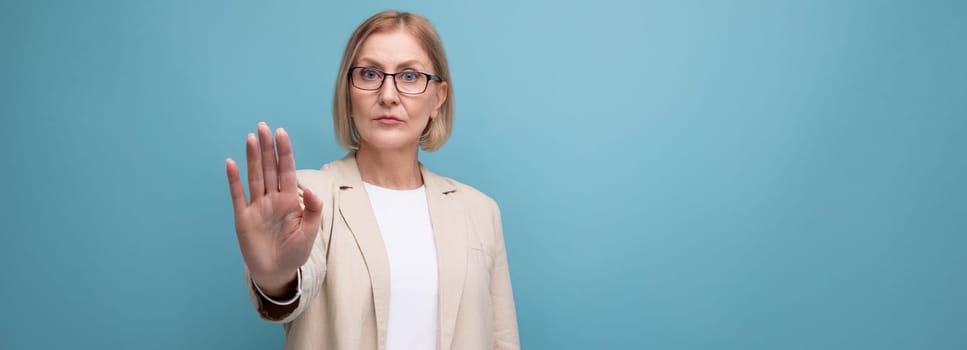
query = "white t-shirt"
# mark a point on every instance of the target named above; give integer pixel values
(404, 222)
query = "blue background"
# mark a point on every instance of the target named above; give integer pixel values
(672, 174)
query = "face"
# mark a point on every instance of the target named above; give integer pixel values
(385, 118)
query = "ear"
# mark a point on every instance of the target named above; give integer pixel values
(441, 97)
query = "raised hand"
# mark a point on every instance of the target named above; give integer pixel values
(275, 232)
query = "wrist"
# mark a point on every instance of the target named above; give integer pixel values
(277, 286)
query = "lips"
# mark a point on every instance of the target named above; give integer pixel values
(388, 120)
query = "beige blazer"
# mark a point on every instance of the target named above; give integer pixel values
(345, 282)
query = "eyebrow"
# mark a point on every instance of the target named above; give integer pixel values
(413, 63)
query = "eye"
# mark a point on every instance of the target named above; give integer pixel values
(409, 77)
(370, 74)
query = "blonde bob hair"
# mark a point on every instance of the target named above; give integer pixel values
(438, 129)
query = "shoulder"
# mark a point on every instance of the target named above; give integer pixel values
(316, 179)
(323, 181)
(324, 177)
(481, 212)
(470, 197)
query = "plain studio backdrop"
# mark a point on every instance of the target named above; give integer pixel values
(672, 174)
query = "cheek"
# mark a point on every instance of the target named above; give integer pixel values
(357, 102)
(422, 108)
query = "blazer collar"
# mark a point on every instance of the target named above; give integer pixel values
(448, 220)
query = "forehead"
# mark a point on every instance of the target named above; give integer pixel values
(393, 50)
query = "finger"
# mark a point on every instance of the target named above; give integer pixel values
(269, 166)
(287, 177)
(256, 185)
(235, 185)
(312, 214)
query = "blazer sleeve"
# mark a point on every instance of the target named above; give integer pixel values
(505, 315)
(313, 271)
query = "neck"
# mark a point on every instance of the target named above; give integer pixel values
(395, 169)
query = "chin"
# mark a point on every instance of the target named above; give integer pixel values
(383, 141)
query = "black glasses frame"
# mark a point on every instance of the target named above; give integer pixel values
(429, 78)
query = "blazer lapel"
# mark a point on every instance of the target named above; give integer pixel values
(449, 231)
(356, 210)
(448, 219)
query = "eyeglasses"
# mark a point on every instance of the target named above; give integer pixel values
(408, 82)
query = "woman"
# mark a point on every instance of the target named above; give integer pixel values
(374, 251)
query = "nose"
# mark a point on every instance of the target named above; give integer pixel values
(388, 94)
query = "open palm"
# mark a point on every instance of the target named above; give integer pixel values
(275, 232)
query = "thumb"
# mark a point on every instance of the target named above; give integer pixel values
(312, 214)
